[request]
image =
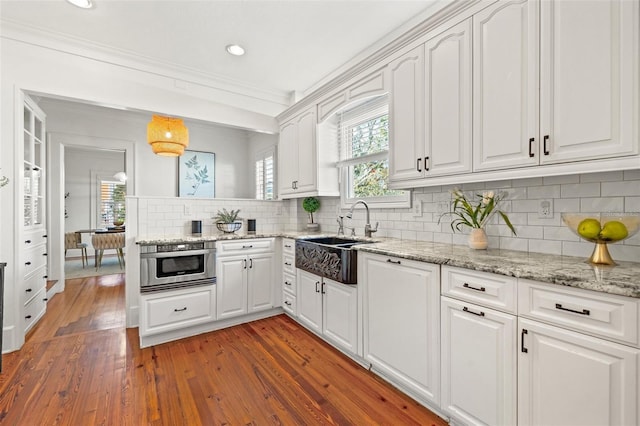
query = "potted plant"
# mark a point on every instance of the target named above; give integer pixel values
(227, 221)
(311, 205)
(476, 215)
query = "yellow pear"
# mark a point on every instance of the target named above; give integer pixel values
(589, 228)
(614, 231)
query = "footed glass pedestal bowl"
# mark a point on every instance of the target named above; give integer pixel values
(602, 229)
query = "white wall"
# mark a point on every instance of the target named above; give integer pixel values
(80, 165)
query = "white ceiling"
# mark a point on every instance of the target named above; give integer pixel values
(292, 45)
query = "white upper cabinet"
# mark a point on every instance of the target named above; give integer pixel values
(306, 166)
(406, 121)
(554, 82)
(448, 102)
(505, 85)
(589, 79)
(430, 111)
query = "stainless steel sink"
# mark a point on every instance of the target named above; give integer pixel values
(330, 257)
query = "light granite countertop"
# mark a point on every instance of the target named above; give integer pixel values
(623, 279)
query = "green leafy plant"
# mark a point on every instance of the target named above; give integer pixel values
(224, 216)
(466, 213)
(311, 205)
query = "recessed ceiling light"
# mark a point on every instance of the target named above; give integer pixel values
(84, 4)
(235, 50)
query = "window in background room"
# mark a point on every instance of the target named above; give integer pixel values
(265, 175)
(364, 156)
(111, 202)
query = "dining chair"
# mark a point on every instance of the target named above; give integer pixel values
(73, 241)
(108, 241)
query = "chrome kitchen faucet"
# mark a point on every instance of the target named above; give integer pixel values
(367, 227)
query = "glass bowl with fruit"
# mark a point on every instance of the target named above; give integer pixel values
(602, 229)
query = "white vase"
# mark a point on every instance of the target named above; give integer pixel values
(478, 239)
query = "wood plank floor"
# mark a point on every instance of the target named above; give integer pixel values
(80, 366)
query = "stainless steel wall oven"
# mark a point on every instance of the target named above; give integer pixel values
(177, 265)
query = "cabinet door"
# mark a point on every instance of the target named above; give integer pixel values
(307, 159)
(406, 115)
(505, 85)
(567, 378)
(401, 316)
(478, 364)
(448, 102)
(232, 286)
(589, 79)
(309, 300)
(287, 158)
(340, 308)
(260, 281)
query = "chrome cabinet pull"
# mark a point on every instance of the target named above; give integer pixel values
(480, 314)
(531, 141)
(583, 312)
(180, 310)
(466, 285)
(522, 348)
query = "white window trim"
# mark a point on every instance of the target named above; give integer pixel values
(261, 155)
(374, 107)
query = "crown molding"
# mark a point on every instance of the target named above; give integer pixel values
(377, 58)
(275, 100)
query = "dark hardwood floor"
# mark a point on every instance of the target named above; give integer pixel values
(80, 366)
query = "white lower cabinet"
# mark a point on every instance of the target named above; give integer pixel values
(568, 378)
(479, 372)
(329, 308)
(401, 319)
(245, 277)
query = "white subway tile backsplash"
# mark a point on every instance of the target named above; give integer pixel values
(601, 177)
(602, 204)
(555, 180)
(546, 191)
(631, 187)
(573, 190)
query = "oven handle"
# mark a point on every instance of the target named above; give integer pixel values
(176, 253)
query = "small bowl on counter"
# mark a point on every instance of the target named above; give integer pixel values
(228, 228)
(602, 229)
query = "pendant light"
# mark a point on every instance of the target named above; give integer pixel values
(167, 136)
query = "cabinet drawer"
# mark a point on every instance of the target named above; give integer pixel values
(486, 289)
(288, 246)
(32, 285)
(244, 246)
(288, 263)
(289, 303)
(34, 258)
(34, 237)
(34, 309)
(600, 314)
(177, 309)
(289, 283)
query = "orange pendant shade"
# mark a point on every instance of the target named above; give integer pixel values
(167, 136)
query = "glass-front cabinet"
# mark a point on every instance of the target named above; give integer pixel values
(34, 158)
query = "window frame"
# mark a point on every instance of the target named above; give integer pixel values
(370, 109)
(262, 156)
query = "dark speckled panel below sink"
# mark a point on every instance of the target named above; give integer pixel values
(329, 257)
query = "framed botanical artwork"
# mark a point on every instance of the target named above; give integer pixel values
(196, 173)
